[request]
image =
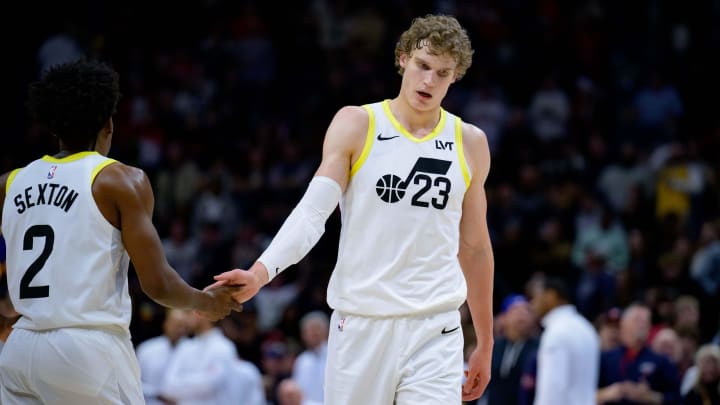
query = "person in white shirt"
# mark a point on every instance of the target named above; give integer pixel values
(154, 354)
(201, 369)
(290, 393)
(569, 353)
(309, 367)
(246, 386)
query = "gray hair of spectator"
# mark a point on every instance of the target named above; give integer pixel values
(635, 306)
(711, 350)
(315, 316)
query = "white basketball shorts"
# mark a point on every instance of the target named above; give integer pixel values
(403, 361)
(69, 366)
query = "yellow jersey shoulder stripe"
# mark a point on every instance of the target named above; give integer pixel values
(369, 138)
(99, 167)
(461, 151)
(69, 158)
(10, 179)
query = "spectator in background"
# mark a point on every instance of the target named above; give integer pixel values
(549, 111)
(686, 313)
(309, 367)
(290, 393)
(619, 179)
(61, 46)
(276, 365)
(633, 374)
(705, 262)
(487, 109)
(607, 238)
(201, 370)
(511, 350)
(246, 383)
(528, 380)
(568, 356)
(706, 385)
(656, 108)
(596, 290)
(667, 343)
(608, 326)
(272, 300)
(177, 183)
(154, 354)
(215, 205)
(680, 180)
(181, 249)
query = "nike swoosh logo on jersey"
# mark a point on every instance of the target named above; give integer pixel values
(445, 332)
(381, 138)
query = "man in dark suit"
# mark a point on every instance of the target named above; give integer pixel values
(632, 374)
(511, 351)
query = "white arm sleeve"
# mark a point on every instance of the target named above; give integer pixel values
(303, 227)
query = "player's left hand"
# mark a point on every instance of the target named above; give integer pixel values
(477, 375)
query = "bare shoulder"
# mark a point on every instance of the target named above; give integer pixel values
(349, 127)
(477, 150)
(352, 114)
(119, 179)
(3, 183)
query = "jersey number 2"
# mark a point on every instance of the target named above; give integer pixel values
(36, 231)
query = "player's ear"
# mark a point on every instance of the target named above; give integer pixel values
(403, 59)
(109, 127)
(104, 137)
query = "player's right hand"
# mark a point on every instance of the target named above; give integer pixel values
(221, 302)
(251, 280)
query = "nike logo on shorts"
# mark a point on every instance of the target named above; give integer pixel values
(381, 138)
(445, 331)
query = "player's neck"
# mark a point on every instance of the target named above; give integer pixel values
(66, 150)
(412, 119)
(66, 153)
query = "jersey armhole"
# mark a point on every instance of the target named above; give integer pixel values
(368, 142)
(99, 167)
(461, 152)
(10, 179)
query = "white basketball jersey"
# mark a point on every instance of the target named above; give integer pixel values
(66, 264)
(401, 221)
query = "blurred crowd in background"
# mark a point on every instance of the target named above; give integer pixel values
(600, 115)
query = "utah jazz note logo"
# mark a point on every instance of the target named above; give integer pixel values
(391, 188)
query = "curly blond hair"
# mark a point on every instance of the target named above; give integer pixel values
(444, 34)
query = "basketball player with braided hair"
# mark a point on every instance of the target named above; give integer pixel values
(414, 244)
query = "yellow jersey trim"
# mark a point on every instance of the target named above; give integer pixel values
(68, 158)
(99, 167)
(440, 125)
(461, 152)
(10, 179)
(369, 137)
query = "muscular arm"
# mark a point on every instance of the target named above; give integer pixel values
(124, 196)
(343, 144)
(475, 252)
